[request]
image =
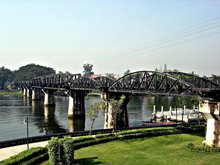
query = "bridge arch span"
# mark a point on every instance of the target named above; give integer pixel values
(195, 80)
(151, 82)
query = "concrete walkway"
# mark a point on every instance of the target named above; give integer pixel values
(11, 151)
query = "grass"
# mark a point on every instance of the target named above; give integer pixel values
(14, 93)
(23, 156)
(166, 150)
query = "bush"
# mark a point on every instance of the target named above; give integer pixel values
(61, 150)
(68, 148)
(53, 150)
(203, 148)
(82, 139)
(192, 129)
(24, 156)
(99, 136)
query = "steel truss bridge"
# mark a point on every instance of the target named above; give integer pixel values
(140, 82)
(77, 86)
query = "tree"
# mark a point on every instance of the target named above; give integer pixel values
(127, 72)
(110, 75)
(165, 68)
(93, 112)
(88, 69)
(6, 76)
(115, 110)
(31, 71)
(175, 70)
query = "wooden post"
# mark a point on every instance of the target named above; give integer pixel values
(176, 114)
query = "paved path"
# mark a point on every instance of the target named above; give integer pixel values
(10, 151)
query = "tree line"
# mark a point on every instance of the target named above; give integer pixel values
(31, 71)
(24, 73)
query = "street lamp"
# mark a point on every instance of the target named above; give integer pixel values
(26, 122)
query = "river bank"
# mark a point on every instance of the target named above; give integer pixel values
(10, 93)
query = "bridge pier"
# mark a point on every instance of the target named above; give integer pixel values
(29, 93)
(36, 93)
(49, 97)
(76, 103)
(24, 91)
(117, 118)
(211, 112)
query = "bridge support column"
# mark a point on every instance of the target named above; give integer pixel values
(29, 93)
(76, 103)
(49, 97)
(116, 115)
(211, 112)
(36, 94)
(24, 91)
(71, 107)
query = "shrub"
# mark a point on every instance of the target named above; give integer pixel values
(53, 150)
(68, 148)
(24, 156)
(82, 139)
(203, 148)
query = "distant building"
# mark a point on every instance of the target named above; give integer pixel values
(96, 75)
(116, 76)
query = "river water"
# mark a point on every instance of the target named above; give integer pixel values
(43, 120)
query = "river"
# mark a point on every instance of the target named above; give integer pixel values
(43, 120)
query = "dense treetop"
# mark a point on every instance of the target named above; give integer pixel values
(24, 73)
(31, 71)
(5, 76)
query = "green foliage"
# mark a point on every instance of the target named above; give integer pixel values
(6, 76)
(61, 150)
(88, 69)
(31, 71)
(165, 68)
(203, 148)
(27, 72)
(24, 156)
(110, 75)
(193, 129)
(53, 150)
(93, 112)
(127, 72)
(82, 139)
(115, 110)
(68, 148)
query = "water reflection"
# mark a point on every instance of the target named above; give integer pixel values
(76, 124)
(44, 118)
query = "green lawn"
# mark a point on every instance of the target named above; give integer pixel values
(159, 150)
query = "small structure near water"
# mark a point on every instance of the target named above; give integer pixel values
(178, 114)
(210, 109)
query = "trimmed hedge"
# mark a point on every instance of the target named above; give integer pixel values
(68, 150)
(192, 129)
(53, 150)
(24, 156)
(61, 150)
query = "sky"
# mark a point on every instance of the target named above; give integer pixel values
(113, 35)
